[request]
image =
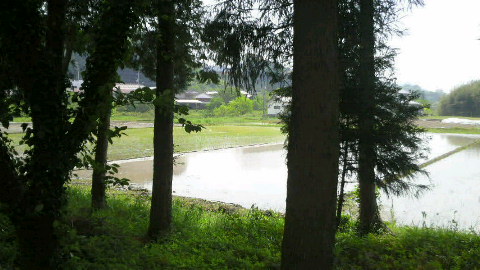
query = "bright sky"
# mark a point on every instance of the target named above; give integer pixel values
(441, 49)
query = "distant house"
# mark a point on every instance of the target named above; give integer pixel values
(187, 95)
(127, 87)
(204, 97)
(278, 106)
(191, 103)
(212, 93)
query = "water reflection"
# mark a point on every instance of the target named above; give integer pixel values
(257, 175)
(454, 199)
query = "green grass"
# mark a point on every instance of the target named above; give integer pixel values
(203, 237)
(409, 248)
(472, 130)
(199, 117)
(445, 117)
(215, 236)
(139, 141)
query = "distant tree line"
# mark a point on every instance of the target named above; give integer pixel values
(462, 101)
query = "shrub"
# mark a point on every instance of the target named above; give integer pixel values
(237, 107)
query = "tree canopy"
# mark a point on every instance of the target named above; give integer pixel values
(462, 101)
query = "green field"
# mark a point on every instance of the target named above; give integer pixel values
(139, 141)
(472, 130)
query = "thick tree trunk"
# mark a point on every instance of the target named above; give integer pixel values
(366, 165)
(99, 200)
(46, 173)
(161, 209)
(313, 139)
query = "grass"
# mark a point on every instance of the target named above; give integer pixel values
(445, 117)
(472, 130)
(196, 116)
(215, 236)
(139, 141)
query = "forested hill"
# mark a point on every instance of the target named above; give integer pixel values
(127, 75)
(432, 96)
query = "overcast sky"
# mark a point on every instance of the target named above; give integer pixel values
(441, 49)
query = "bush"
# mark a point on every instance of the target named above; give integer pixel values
(215, 103)
(237, 107)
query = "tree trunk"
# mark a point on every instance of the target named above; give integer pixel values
(313, 151)
(99, 200)
(46, 174)
(341, 195)
(366, 165)
(161, 209)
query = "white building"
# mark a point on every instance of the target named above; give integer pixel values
(277, 106)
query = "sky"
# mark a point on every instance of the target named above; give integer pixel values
(441, 49)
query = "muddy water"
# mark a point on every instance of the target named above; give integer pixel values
(453, 201)
(257, 175)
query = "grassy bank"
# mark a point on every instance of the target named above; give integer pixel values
(196, 116)
(473, 130)
(139, 141)
(215, 236)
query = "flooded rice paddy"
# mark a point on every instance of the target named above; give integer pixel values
(257, 176)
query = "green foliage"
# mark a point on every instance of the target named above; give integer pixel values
(205, 236)
(8, 245)
(216, 236)
(409, 248)
(215, 103)
(462, 101)
(238, 106)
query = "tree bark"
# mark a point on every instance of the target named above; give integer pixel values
(369, 217)
(99, 199)
(161, 208)
(341, 195)
(38, 73)
(41, 203)
(313, 146)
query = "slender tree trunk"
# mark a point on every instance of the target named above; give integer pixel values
(69, 43)
(161, 209)
(341, 195)
(99, 200)
(313, 152)
(369, 217)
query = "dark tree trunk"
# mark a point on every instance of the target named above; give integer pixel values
(37, 66)
(341, 195)
(99, 200)
(42, 202)
(313, 151)
(161, 209)
(369, 217)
